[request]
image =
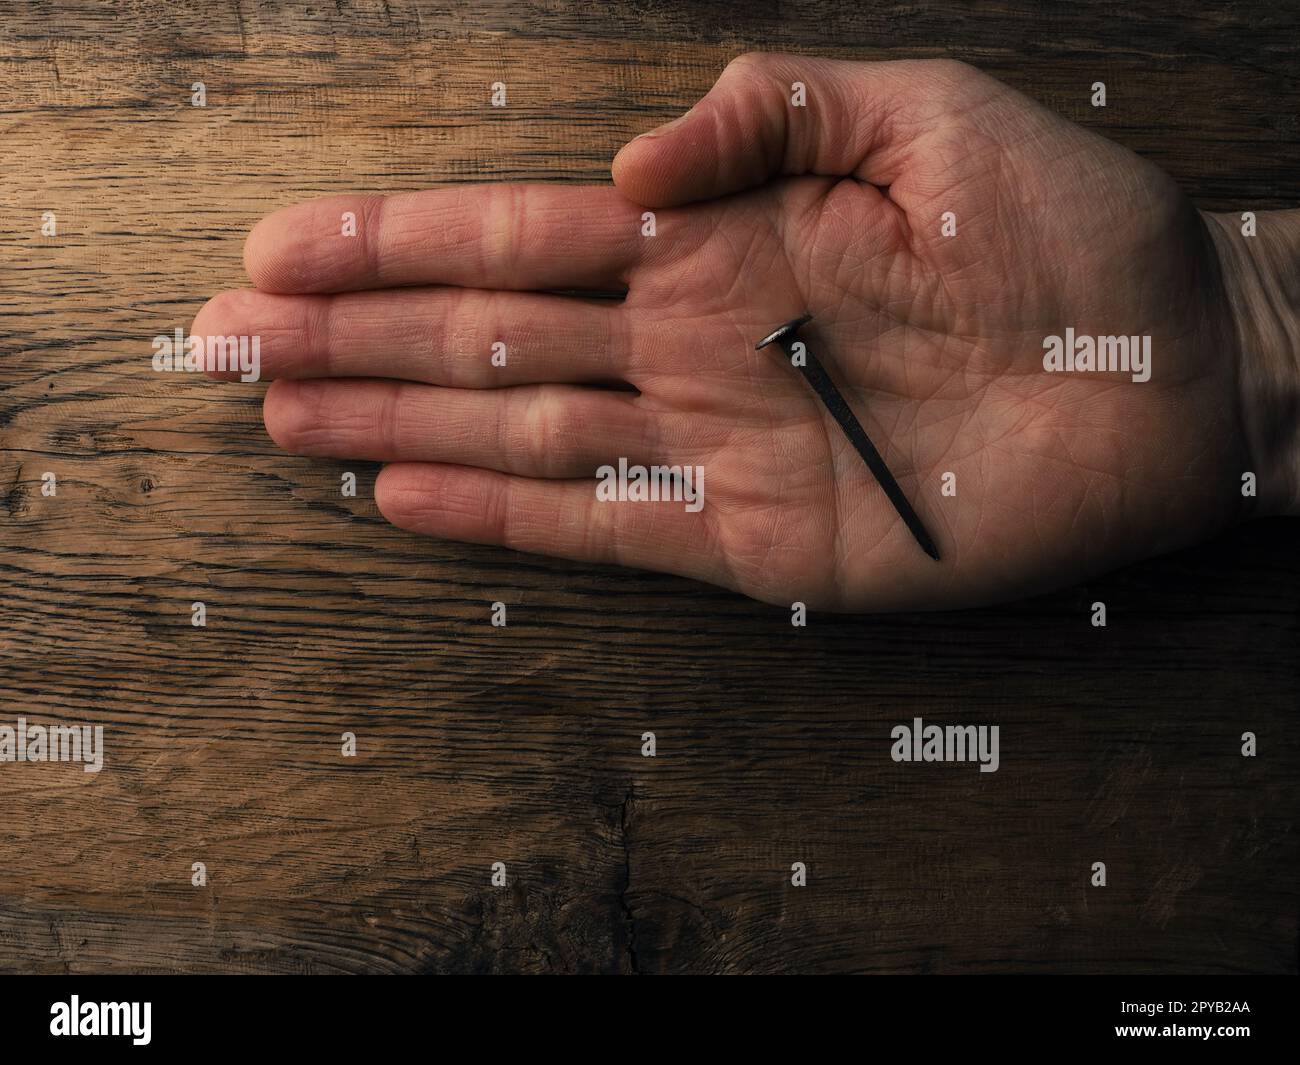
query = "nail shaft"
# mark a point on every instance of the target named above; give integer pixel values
(820, 382)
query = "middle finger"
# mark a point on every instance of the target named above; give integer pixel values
(458, 338)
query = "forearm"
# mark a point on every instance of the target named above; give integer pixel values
(1261, 276)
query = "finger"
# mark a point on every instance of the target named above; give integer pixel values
(857, 119)
(503, 236)
(461, 338)
(533, 430)
(561, 518)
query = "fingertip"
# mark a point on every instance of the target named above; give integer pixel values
(306, 247)
(270, 249)
(398, 494)
(655, 168)
(627, 170)
(445, 500)
(281, 415)
(225, 314)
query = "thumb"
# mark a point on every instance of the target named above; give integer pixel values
(772, 114)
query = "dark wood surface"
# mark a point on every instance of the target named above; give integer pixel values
(522, 745)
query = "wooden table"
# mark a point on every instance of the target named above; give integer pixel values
(478, 744)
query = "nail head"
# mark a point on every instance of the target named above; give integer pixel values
(784, 330)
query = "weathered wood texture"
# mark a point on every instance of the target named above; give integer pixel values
(521, 745)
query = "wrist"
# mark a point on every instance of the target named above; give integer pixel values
(1261, 279)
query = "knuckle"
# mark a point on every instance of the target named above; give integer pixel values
(748, 60)
(749, 65)
(952, 72)
(459, 338)
(545, 432)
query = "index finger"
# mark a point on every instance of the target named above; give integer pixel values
(495, 236)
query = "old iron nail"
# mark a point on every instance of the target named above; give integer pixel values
(816, 376)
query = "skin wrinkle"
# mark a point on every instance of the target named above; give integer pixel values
(373, 209)
(321, 339)
(773, 136)
(513, 230)
(733, 277)
(724, 124)
(949, 299)
(620, 352)
(881, 309)
(390, 416)
(310, 423)
(519, 339)
(838, 547)
(737, 562)
(444, 341)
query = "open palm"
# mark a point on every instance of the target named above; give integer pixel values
(936, 224)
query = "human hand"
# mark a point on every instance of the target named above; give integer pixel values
(763, 211)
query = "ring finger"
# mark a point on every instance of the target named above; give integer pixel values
(547, 431)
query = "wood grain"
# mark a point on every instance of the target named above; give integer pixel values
(522, 745)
